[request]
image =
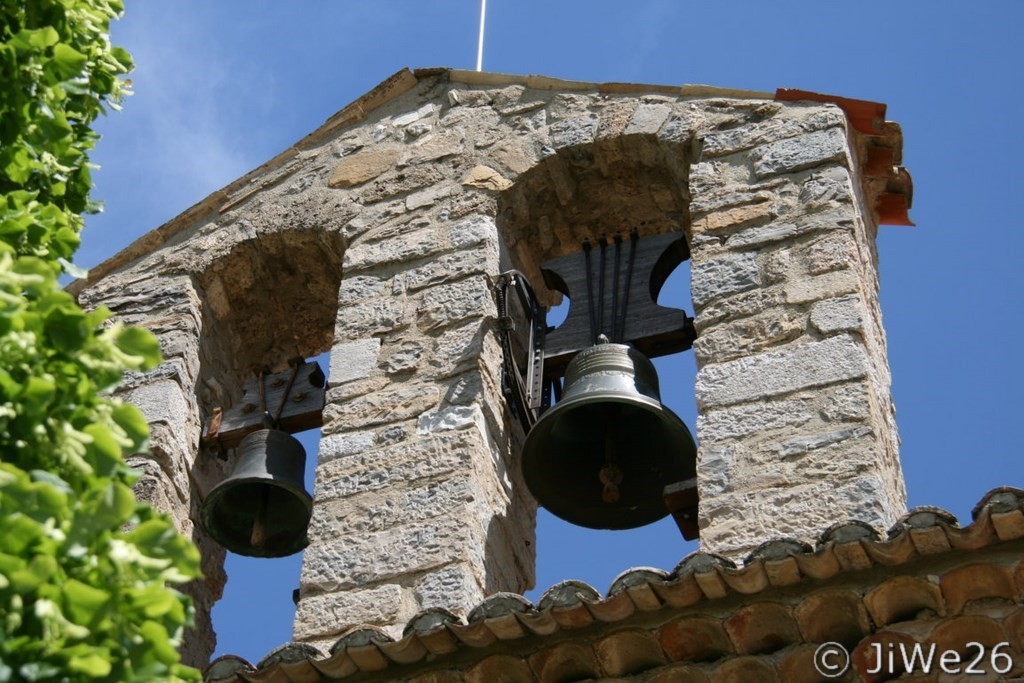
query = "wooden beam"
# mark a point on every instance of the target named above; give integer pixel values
(682, 501)
(654, 330)
(302, 409)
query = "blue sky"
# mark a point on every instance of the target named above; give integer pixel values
(223, 86)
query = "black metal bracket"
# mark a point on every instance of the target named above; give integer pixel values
(523, 385)
(613, 290)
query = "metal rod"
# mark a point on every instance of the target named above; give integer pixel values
(480, 40)
(634, 237)
(616, 337)
(287, 391)
(590, 292)
(603, 243)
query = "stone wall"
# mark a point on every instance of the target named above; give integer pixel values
(378, 237)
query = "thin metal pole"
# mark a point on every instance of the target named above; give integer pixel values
(480, 42)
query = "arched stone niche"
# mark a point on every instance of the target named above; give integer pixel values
(270, 299)
(585, 191)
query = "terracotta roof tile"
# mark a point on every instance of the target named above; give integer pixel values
(929, 578)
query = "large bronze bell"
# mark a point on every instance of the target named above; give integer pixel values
(602, 456)
(262, 509)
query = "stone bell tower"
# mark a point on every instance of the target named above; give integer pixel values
(379, 237)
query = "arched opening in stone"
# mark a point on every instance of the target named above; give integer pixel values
(583, 192)
(270, 301)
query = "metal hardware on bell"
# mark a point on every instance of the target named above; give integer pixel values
(262, 509)
(602, 456)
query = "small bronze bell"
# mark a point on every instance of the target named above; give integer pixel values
(262, 509)
(602, 456)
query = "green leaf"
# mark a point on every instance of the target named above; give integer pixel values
(84, 603)
(94, 664)
(38, 39)
(19, 166)
(67, 62)
(38, 393)
(30, 577)
(133, 422)
(155, 602)
(38, 671)
(64, 560)
(141, 344)
(159, 642)
(66, 328)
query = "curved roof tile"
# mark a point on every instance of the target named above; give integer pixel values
(698, 578)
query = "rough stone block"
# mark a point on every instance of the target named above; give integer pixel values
(737, 216)
(842, 314)
(345, 443)
(344, 473)
(730, 423)
(427, 197)
(353, 360)
(648, 119)
(320, 616)
(714, 463)
(719, 277)
(738, 306)
(346, 562)
(486, 178)
(779, 372)
(781, 125)
(397, 504)
(515, 158)
(678, 128)
(413, 116)
(472, 232)
(400, 182)
(827, 187)
(396, 249)
(449, 268)
(827, 286)
(847, 403)
(748, 335)
(458, 349)
(357, 288)
(572, 132)
(405, 358)
(832, 252)
(162, 401)
(799, 153)
(790, 228)
(614, 119)
(776, 264)
(369, 318)
(726, 196)
(450, 418)
(454, 585)
(392, 404)
(796, 511)
(448, 304)
(362, 166)
(812, 442)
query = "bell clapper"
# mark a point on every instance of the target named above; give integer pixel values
(611, 474)
(259, 522)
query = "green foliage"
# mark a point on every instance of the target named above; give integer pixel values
(86, 572)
